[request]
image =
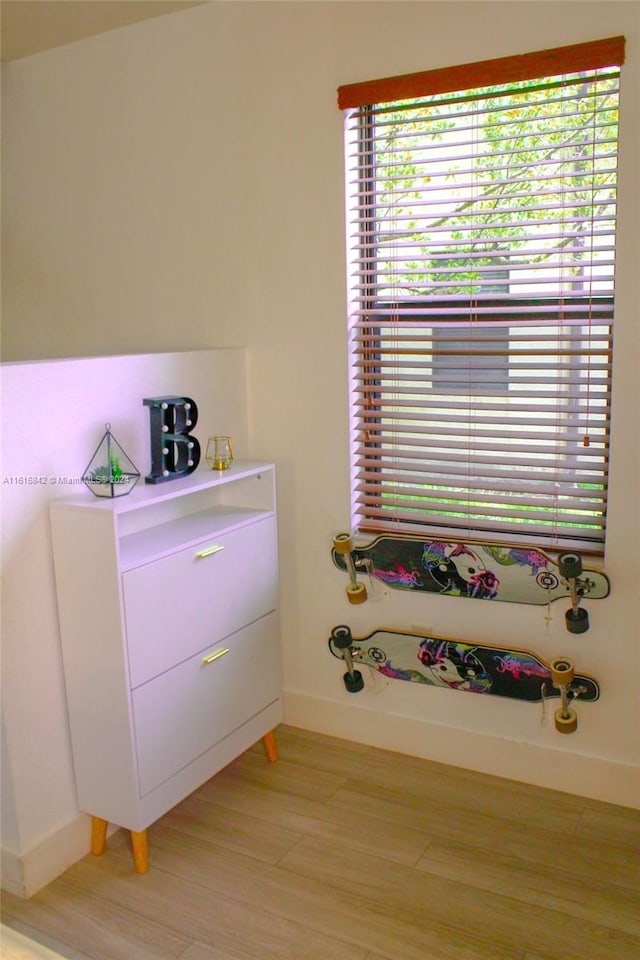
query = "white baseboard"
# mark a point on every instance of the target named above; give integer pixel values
(23, 875)
(578, 774)
(11, 878)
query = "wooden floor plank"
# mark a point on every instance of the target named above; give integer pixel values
(95, 926)
(492, 833)
(283, 776)
(243, 832)
(320, 752)
(396, 890)
(418, 778)
(341, 851)
(428, 954)
(615, 826)
(200, 951)
(316, 902)
(558, 886)
(392, 839)
(209, 913)
(401, 781)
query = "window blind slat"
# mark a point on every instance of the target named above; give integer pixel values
(414, 472)
(487, 519)
(421, 140)
(491, 502)
(563, 187)
(369, 484)
(559, 90)
(413, 433)
(458, 413)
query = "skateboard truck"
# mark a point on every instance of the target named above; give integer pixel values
(356, 592)
(562, 674)
(570, 567)
(342, 639)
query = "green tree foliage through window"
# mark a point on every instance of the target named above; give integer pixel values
(460, 187)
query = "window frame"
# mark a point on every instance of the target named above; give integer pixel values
(468, 77)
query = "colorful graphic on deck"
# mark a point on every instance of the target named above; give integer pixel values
(479, 571)
(460, 665)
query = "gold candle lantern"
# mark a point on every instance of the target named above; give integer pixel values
(219, 453)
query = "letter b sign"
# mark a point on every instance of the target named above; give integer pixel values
(175, 452)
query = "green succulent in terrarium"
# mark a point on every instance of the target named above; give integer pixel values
(110, 472)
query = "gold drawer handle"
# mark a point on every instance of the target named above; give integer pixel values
(216, 655)
(209, 551)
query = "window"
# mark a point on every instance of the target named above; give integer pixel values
(481, 238)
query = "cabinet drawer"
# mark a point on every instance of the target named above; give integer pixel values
(186, 711)
(186, 602)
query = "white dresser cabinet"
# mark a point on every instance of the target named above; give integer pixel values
(167, 601)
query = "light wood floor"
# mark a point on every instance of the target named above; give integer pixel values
(345, 852)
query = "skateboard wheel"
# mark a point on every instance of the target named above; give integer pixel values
(562, 671)
(341, 637)
(354, 682)
(577, 620)
(356, 593)
(570, 565)
(566, 722)
(342, 543)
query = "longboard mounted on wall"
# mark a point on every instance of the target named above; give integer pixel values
(462, 665)
(478, 571)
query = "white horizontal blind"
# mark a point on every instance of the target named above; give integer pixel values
(481, 270)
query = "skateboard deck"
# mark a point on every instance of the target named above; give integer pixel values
(460, 665)
(481, 571)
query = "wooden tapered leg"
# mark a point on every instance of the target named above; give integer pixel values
(269, 743)
(140, 850)
(138, 843)
(98, 835)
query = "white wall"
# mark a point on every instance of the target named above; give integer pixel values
(178, 184)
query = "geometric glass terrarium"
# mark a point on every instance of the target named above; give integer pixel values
(110, 472)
